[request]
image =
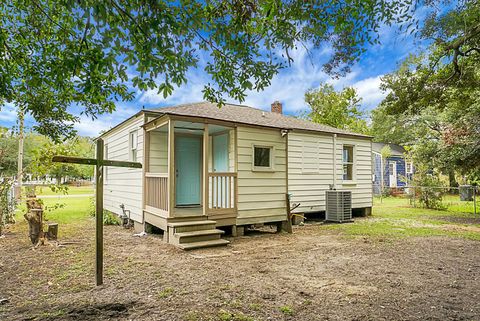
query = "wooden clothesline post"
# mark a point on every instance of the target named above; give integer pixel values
(99, 162)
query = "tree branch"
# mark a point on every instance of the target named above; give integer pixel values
(51, 20)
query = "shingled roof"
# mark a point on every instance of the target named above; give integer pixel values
(249, 115)
(397, 150)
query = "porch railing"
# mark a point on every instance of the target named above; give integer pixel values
(223, 192)
(156, 192)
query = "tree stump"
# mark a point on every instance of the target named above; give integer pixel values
(52, 232)
(35, 224)
(34, 217)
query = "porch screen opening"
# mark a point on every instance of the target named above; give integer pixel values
(262, 157)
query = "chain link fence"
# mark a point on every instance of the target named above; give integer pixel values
(462, 199)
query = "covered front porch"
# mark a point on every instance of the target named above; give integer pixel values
(190, 171)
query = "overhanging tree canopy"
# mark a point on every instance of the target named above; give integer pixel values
(56, 53)
(433, 100)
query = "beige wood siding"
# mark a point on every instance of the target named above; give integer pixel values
(124, 185)
(158, 152)
(361, 185)
(310, 169)
(261, 195)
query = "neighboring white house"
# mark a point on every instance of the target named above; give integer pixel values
(206, 167)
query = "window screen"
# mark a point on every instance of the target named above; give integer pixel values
(262, 156)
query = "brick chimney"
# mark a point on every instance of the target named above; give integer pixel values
(277, 107)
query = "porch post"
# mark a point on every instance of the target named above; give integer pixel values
(205, 170)
(171, 167)
(145, 169)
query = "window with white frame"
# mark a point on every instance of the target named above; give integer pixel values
(262, 157)
(408, 167)
(347, 160)
(132, 148)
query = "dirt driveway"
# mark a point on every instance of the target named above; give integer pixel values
(313, 274)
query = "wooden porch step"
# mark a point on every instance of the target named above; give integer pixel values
(196, 236)
(181, 219)
(197, 245)
(191, 226)
(191, 223)
(199, 233)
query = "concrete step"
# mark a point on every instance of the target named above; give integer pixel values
(198, 245)
(197, 236)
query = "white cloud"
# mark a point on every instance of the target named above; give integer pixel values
(369, 90)
(92, 128)
(190, 92)
(8, 113)
(290, 85)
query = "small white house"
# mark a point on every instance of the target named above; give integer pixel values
(206, 167)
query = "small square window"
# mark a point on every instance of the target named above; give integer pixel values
(262, 157)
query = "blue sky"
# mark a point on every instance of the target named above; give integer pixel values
(288, 86)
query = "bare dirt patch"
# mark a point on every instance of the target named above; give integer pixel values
(460, 220)
(313, 274)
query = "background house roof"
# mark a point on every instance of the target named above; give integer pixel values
(249, 115)
(397, 150)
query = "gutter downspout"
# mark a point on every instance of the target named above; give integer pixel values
(335, 161)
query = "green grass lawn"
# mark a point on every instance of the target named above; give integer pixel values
(72, 190)
(393, 217)
(69, 213)
(67, 210)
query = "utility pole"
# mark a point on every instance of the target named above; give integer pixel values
(18, 188)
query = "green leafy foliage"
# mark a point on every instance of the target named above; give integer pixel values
(337, 109)
(287, 310)
(430, 189)
(38, 152)
(41, 158)
(8, 152)
(109, 218)
(59, 53)
(7, 202)
(432, 102)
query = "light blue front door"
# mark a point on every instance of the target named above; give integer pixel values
(188, 162)
(220, 153)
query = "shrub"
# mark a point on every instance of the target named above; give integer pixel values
(109, 218)
(430, 190)
(7, 202)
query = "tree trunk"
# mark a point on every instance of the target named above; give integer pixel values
(34, 217)
(452, 181)
(1, 221)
